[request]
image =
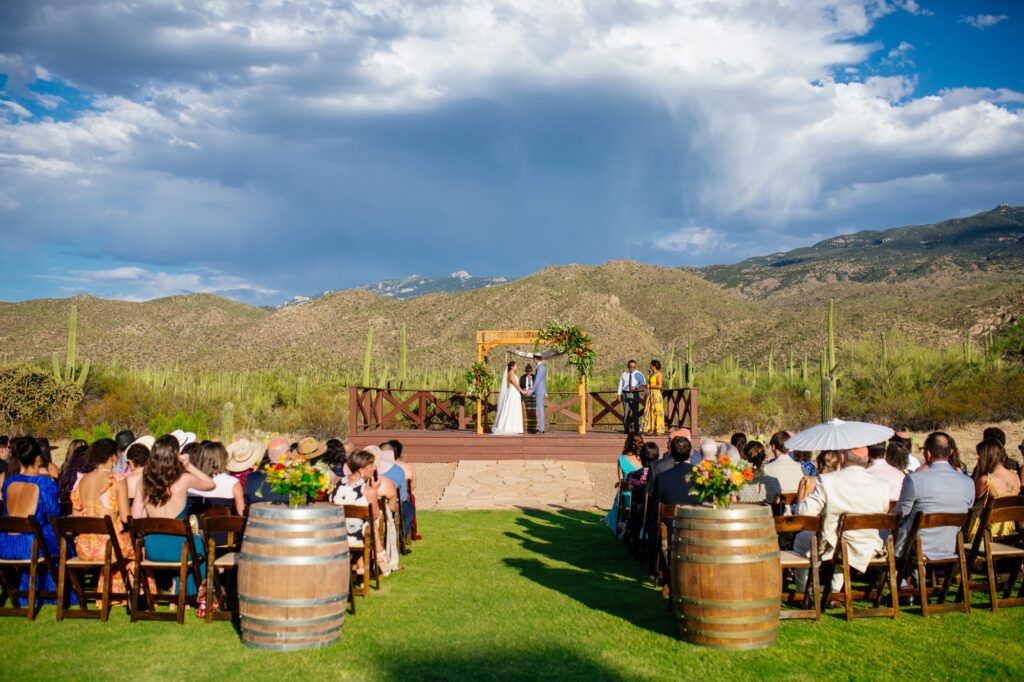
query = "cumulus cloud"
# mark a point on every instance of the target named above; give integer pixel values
(138, 284)
(317, 145)
(983, 21)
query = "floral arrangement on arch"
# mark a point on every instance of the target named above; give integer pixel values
(298, 479)
(479, 380)
(719, 479)
(574, 342)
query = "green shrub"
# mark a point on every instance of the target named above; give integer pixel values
(31, 398)
(196, 423)
(92, 435)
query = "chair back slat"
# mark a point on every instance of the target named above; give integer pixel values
(1005, 514)
(161, 527)
(15, 524)
(357, 511)
(795, 524)
(666, 511)
(887, 522)
(942, 520)
(1007, 501)
(81, 525)
(222, 524)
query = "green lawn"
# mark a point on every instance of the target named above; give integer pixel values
(510, 595)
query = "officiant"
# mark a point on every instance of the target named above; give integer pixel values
(530, 400)
(630, 384)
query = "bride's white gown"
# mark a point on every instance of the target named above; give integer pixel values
(509, 418)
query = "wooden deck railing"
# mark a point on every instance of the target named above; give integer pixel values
(377, 409)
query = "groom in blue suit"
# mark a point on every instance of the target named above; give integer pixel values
(540, 388)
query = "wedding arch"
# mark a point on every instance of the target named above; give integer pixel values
(565, 340)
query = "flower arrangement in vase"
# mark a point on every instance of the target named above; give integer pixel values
(719, 479)
(298, 479)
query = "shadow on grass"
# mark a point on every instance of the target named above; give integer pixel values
(602, 576)
(548, 663)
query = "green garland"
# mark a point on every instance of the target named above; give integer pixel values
(479, 380)
(574, 342)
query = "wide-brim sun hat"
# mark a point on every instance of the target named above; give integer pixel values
(243, 455)
(310, 448)
(147, 441)
(184, 438)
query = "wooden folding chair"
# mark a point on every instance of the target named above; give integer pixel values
(791, 560)
(222, 563)
(663, 567)
(11, 569)
(141, 528)
(1009, 551)
(74, 569)
(784, 504)
(369, 549)
(886, 566)
(914, 558)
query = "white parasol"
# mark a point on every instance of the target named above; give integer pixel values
(839, 435)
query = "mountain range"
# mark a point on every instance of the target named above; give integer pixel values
(933, 282)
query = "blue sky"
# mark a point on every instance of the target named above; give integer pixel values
(263, 150)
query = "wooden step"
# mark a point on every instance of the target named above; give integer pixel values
(453, 446)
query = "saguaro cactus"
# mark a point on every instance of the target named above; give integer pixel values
(402, 357)
(690, 369)
(367, 357)
(227, 422)
(71, 372)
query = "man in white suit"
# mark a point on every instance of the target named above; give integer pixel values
(851, 490)
(786, 470)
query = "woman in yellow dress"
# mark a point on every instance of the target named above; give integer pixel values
(654, 411)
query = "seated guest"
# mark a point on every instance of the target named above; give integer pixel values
(636, 480)
(997, 434)
(358, 489)
(136, 457)
(667, 462)
(410, 477)
(672, 485)
(877, 466)
(124, 440)
(30, 493)
(783, 468)
(897, 456)
(739, 441)
(993, 480)
(708, 449)
(256, 487)
(48, 468)
(937, 489)
(76, 463)
(227, 491)
(851, 490)
(164, 495)
(243, 455)
(904, 439)
(628, 462)
(828, 461)
(396, 472)
(100, 493)
(763, 489)
(806, 460)
(335, 456)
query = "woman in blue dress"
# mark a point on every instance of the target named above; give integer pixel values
(30, 493)
(628, 462)
(164, 495)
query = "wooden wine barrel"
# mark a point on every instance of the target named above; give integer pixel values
(293, 576)
(726, 576)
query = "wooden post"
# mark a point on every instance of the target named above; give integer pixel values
(583, 404)
(421, 422)
(479, 399)
(353, 407)
(692, 399)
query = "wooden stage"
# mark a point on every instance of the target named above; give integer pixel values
(452, 446)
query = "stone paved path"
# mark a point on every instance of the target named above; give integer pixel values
(509, 484)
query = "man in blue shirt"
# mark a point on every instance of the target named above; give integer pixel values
(629, 392)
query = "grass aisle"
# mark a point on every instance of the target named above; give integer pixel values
(509, 595)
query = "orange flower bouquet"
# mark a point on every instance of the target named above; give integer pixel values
(719, 479)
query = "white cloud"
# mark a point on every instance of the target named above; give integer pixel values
(15, 108)
(692, 240)
(903, 48)
(983, 21)
(138, 284)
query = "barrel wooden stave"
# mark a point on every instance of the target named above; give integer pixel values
(726, 576)
(293, 576)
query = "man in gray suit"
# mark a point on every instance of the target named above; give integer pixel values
(938, 489)
(540, 390)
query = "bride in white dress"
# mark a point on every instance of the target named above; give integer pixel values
(509, 418)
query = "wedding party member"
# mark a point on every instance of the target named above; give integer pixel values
(628, 462)
(165, 484)
(851, 490)
(540, 390)
(630, 383)
(30, 493)
(508, 419)
(529, 400)
(654, 413)
(939, 488)
(100, 493)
